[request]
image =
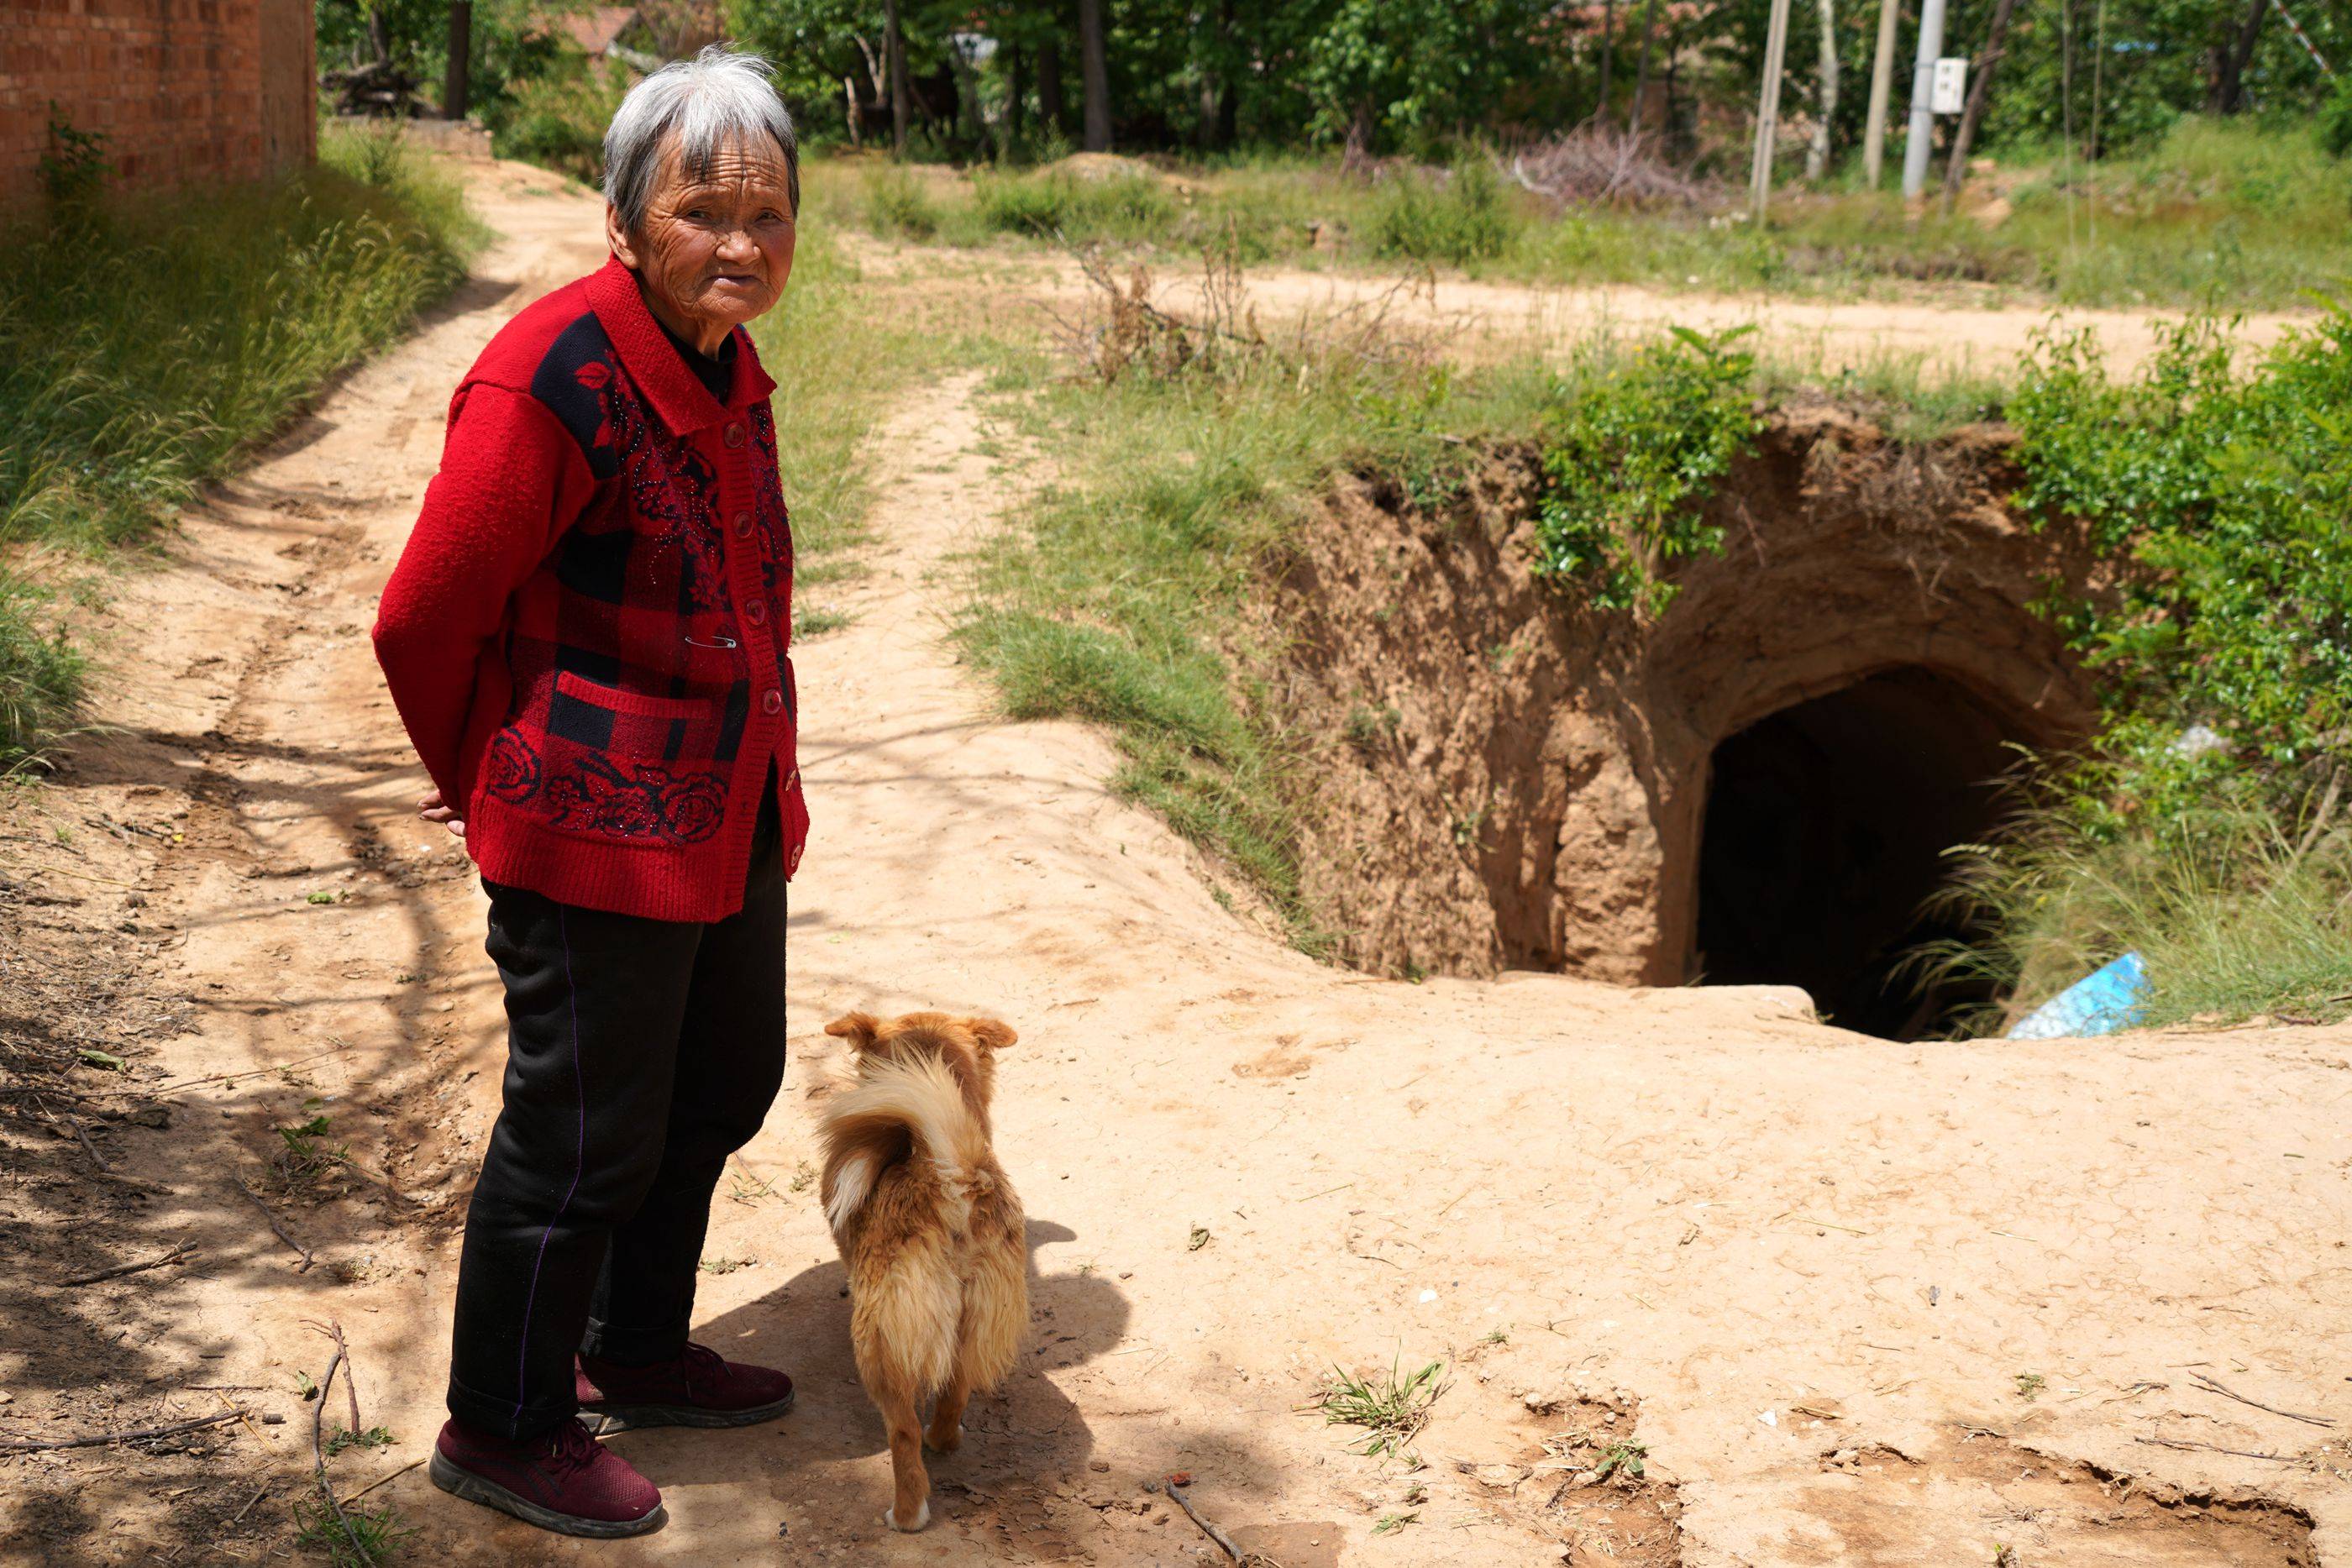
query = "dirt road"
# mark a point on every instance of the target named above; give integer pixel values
(1862, 1303)
(1960, 332)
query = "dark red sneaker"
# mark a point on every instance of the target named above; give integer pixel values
(700, 1388)
(565, 1481)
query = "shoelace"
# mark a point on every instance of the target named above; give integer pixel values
(707, 1362)
(570, 1446)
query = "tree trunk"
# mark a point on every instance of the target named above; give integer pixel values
(1956, 168)
(1817, 154)
(1017, 89)
(1641, 69)
(894, 61)
(1608, 52)
(1094, 70)
(1049, 84)
(1229, 93)
(849, 109)
(379, 30)
(2229, 94)
(456, 84)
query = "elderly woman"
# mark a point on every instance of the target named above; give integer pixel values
(586, 638)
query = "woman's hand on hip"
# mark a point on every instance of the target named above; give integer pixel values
(431, 809)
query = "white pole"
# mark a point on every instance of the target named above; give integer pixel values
(1768, 109)
(1882, 84)
(1921, 137)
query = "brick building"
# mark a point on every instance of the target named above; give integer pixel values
(182, 90)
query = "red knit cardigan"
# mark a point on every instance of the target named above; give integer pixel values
(587, 635)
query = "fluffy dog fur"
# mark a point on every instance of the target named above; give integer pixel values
(930, 1230)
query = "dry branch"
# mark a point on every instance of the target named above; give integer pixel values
(2212, 1387)
(255, 1198)
(177, 1254)
(1208, 1528)
(133, 1435)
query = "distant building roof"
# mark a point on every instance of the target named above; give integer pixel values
(598, 28)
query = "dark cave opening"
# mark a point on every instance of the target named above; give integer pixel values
(1824, 842)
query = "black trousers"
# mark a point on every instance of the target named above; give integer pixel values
(640, 1054)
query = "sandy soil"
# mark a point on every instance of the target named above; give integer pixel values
(1809, 1270)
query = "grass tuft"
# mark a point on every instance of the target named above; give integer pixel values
(1389, 1408)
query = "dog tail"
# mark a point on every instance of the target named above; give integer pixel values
(911, 1107)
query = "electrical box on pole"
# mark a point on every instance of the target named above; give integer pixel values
(1949, 93)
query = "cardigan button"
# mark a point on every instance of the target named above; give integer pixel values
(772, 702)
(756, 613)
(742, 525)
(734, 436)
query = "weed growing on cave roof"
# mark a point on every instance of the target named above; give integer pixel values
(1632, 458)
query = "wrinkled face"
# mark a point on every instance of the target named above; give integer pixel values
(716, 245)
(968, 1045)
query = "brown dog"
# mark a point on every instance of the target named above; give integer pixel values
(930, 1230)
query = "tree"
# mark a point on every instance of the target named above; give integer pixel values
(1094, 70)
(461, 48)
(1641, 70)
(893, 65)
(1825, 86)
(1956, 170)
(2229, 78)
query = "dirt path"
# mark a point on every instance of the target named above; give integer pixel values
(1807, 1270)
(1954, 335)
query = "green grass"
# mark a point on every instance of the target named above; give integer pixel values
(2217, 212)
(2234, 913)
(1124, 595)
(147, 343)
(837, 362)
(362, 1538)
(1391, 1407)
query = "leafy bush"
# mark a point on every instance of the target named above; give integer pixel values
(2335, 120)
(2201, 828)
(1058, 203)
(146, 344)
(2235, 495)
(896, 204)
(558, 120)
(1631, 458)
(1467, 217)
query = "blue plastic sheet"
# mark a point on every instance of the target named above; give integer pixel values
(2101, 1002)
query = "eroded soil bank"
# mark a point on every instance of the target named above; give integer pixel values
(1690, 1221)
(1755, 785)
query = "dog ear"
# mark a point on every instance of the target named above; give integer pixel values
(860, 1030)
(991, 1034)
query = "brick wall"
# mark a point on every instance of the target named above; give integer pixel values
(182, 90)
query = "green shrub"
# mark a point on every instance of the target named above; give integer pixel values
(1058, 205)
(1631, 459)
(557, 120)
(2233, 494)
(2202, 827)
(2335, 120)
(1467, 217)
(146, 344)
(897, 205)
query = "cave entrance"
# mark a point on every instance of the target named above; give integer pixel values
(1824, 837)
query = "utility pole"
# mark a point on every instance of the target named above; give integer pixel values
(1768, 108)
(1921, 139)
(1882, 82)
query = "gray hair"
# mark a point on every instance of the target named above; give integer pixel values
(719, 98)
